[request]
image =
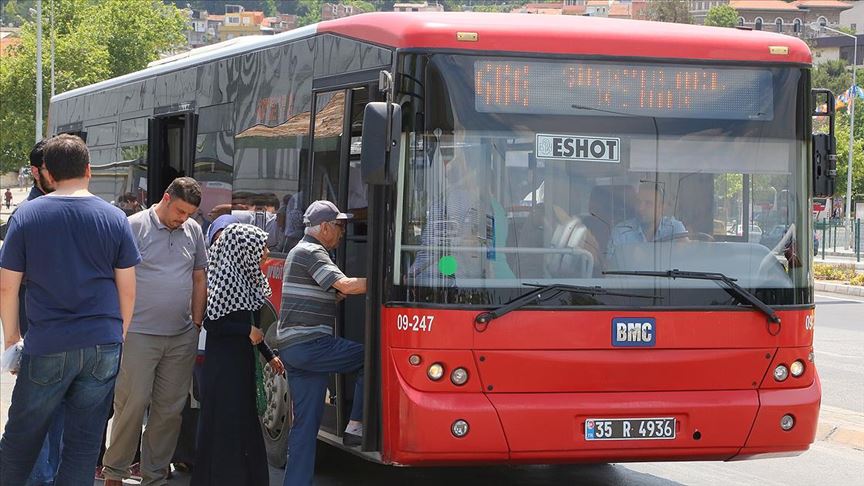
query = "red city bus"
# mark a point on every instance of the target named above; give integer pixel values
(553, 213)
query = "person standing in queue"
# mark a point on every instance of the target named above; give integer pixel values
(231, 448)
(79, 257)
(160, 350)
(311, 286)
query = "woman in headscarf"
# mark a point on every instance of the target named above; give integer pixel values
(231, 448)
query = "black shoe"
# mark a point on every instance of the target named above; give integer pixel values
(352, 440)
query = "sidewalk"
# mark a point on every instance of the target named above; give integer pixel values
(841, 426)
(18, 196)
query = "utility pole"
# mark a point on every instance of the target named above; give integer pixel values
(38, 70)
(53, 41)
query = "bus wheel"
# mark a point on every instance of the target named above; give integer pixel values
(276, 419)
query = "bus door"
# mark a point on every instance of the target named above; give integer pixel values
(170, 151)
(335, 176)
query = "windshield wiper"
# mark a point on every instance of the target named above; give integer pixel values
(485, 318)
(737, 291)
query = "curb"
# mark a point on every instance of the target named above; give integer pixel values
(841, 426)
(839, 288)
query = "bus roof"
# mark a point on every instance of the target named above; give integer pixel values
(512, 33)
(566, 34)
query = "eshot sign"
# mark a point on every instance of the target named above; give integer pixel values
(578, 147)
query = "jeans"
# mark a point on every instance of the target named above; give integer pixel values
(308, 366)
(82, 382)
(48, 462)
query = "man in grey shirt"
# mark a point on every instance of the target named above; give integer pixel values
(160, 348)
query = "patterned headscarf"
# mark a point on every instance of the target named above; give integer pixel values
(234, 278)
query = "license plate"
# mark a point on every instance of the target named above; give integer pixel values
(629, 429)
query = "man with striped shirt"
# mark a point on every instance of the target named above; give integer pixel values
(311, 286)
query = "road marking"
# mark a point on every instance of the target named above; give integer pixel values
(839, 298)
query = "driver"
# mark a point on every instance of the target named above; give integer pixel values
(649, 223)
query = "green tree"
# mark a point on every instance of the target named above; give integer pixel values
(308, 12)
(95, 40)
(362, 5)
(842, 135)
(833, 75)
(677, 11)
(270, 8)
(10, 12)
(137, 31)
(722, 16)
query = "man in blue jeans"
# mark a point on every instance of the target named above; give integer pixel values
(311, 286)
(49, 457)
(79, 257)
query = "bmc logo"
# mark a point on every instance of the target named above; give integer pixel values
(634, 331)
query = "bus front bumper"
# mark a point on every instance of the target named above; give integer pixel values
(550, 427)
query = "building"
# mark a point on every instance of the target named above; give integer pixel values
(330, 11)
(8, 39)
(202, 28)
(552, 8)
(836, 47)
(620, 10)
(699, 9)
(418, 7)
(238, 22)
(854, 17)
(282, 23)
(597, 8)
(639, 9)
(791, 18)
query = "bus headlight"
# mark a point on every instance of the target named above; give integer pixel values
(796, 368)
(781, 372)
(459, 428)
(787, 422)
(435, 371)
(459, 376)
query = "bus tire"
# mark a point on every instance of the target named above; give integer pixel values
(276, 419)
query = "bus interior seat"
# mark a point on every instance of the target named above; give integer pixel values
(578, 263)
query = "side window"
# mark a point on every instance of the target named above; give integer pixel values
(214, 160)
(131, 194)
(271, 113)
(326, 145)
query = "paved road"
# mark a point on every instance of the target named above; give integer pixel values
(839, 355)
(839, 347)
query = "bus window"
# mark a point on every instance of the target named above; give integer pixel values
(329, 118)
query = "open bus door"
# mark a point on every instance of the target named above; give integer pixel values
(170, 151)
(336, 175)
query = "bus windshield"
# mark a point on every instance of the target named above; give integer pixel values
(531, 171)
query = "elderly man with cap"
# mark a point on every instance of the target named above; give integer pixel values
(311, 286)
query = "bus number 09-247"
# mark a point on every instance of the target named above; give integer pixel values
(414, 323)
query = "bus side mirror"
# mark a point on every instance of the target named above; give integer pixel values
(824, 162)
(382, 128)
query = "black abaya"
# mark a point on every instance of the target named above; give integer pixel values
(230, 445)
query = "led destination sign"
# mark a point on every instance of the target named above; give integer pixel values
(586, 88)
